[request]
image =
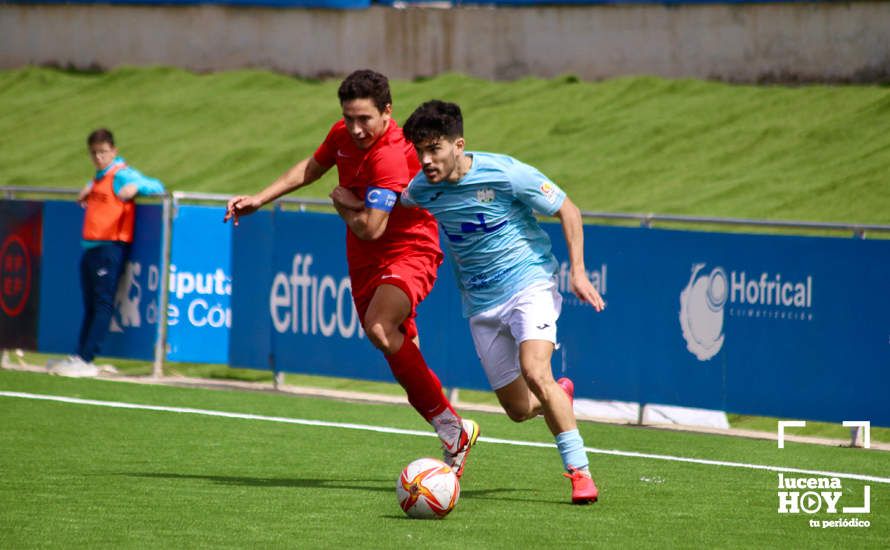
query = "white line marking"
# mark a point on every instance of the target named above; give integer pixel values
(397, 431)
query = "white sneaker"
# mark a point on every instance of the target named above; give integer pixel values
(74, 367)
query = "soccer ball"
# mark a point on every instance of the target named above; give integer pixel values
(427, 489)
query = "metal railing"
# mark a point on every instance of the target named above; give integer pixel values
(648, 220)
(10, 191)
(858, 230)
(302, 203)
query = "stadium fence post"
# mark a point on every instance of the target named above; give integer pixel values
(856, 436)
(167, 209)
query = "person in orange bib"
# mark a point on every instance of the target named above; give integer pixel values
(108, 228)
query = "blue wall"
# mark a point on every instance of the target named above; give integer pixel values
(794, 327)
(133, 330)
(781, 326)
(200, 283)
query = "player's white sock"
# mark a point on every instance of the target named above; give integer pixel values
(448, 426)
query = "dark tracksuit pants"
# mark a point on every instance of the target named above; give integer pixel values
(100, 270)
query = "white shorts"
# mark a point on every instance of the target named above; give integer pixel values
(530, 314)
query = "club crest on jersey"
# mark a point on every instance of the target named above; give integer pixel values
(485, 195)
(549, 191)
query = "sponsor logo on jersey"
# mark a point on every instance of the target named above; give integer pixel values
(549, 191)
(485, 195)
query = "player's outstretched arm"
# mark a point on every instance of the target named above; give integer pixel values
(367, 223)
(573, 229)
(301, 174)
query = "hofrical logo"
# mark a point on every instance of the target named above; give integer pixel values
(711, 295)
(701, 311)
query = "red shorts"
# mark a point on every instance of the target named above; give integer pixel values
(414, 275)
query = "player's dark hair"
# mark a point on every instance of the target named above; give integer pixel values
(102, 135)
(433, 120)
(366, 84)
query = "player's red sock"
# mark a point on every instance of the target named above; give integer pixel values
(421, 384)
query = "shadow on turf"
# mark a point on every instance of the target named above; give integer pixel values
(376, 484)
(371, 484)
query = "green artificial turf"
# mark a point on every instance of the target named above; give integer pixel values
(87, 476)
(131, 367)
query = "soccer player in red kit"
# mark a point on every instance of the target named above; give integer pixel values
(392, 251)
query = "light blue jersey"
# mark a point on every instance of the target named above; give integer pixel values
(495, 242)
(144, 184)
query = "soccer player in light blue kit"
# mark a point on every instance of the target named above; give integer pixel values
(505, 269)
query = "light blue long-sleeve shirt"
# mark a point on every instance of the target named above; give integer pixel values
(126, 176)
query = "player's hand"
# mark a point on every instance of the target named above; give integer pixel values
(583, 289)
(241, 206)
(128, 192)
(82, 196)
(345, 198)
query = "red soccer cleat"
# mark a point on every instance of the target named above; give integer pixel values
(567, 386)
(584, 490)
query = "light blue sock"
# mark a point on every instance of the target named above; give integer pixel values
(571, 449)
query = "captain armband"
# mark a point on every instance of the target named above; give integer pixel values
(380, 199)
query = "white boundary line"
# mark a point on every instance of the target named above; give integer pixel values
(382, 429)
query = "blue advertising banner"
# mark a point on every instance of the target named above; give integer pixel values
(779, 326)
(198, 314)
(133, 329)
(314, 327)
(795, 327)
(297, 311)
(250, 338)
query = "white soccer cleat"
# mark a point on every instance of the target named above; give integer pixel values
(456, 454)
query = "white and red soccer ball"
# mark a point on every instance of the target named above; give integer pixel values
(427, 489)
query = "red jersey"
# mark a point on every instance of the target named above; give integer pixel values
(388, 164)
